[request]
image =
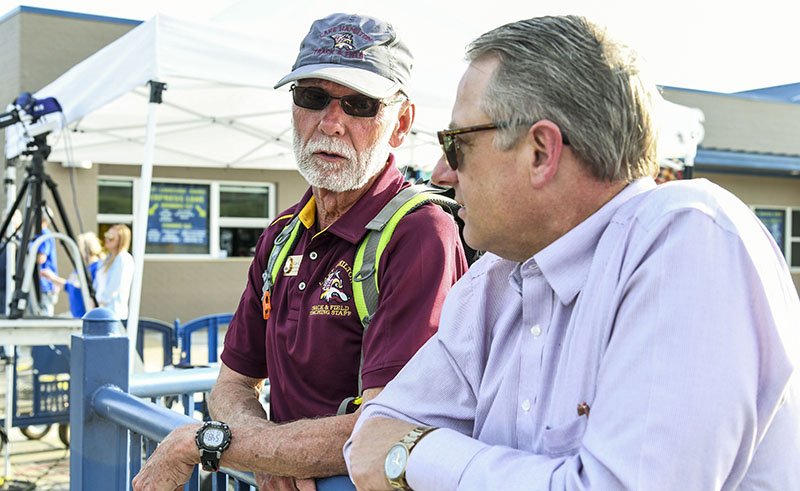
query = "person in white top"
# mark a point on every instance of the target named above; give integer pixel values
(114, 278)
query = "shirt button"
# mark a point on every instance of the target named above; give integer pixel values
(312, 256)
(302, 286)
(526, 405)
(536, 331)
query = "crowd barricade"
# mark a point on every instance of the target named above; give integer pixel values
(165, 330)
(212, 323)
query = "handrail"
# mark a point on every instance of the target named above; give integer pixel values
(109, 425)
(147, 419)
(173, 382)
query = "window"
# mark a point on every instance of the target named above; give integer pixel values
(114, 197)
(192, 218)
(784, 226)
(242, 210)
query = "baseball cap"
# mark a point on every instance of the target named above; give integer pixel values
(357, 51)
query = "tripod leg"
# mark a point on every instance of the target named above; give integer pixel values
(13, 208)
(32, 221)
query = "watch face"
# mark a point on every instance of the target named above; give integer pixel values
(395, 463)
(213, 437)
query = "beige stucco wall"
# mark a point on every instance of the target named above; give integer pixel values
(744, 124)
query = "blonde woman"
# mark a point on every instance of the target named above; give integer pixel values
(93, 256)
(114, 277)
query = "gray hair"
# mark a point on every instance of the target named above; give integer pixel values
(567, 70)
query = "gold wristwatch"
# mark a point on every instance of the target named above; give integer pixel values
(397, 458)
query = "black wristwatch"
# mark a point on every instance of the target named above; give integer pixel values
(212, 439)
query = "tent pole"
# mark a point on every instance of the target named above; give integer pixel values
(140, 217)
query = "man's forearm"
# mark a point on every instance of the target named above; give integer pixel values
(236, 404)
(301, 449)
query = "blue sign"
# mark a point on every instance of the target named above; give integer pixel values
(177, 220)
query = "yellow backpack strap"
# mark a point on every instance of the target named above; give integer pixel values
(281, 247)
(367, 260)
(381, 228)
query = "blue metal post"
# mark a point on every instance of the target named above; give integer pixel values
(98, 447)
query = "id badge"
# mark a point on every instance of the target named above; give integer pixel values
(292, 265)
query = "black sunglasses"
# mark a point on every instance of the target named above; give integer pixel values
(449, 143)
(317, 99)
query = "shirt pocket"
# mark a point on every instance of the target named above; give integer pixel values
(564, 439)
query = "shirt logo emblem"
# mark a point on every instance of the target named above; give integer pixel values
(332, 288)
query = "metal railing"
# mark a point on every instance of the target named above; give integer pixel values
(112, 427)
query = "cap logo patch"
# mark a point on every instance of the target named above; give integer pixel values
(343, 40)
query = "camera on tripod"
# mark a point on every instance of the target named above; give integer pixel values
(28, 117)
(29, 111)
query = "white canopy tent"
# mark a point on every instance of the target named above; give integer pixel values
(218, 110)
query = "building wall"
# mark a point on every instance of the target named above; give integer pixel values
(744, 124)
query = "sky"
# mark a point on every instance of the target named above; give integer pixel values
(712, 45)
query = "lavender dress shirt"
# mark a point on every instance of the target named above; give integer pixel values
(652, 347)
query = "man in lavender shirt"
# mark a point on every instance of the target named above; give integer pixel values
(618, 335)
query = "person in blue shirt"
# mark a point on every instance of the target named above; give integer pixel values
(50, 283)
(93, 256)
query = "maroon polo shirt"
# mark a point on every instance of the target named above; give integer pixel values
(311, 345)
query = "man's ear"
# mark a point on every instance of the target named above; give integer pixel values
(545, 147)
(402, 127)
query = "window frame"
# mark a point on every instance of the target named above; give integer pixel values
(215, 221)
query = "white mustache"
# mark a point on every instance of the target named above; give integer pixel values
(330, 145)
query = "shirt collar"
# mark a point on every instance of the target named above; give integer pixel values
(565, 263)
(352, 225)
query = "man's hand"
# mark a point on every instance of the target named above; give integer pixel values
(172, 463)
(368, 453)
(267, 482)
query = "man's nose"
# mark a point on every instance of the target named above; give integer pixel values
(443, 175)
(333, 119)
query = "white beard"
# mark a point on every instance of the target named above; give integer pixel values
(340, 177)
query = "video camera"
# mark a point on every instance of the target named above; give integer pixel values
(28, 110)
(29, 122)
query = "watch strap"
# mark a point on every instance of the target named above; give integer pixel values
(414, 436)
(209, 459)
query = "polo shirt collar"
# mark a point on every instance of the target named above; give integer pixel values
(565, 263)
(352, 225)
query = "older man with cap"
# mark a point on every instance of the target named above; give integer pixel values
(301, 330)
